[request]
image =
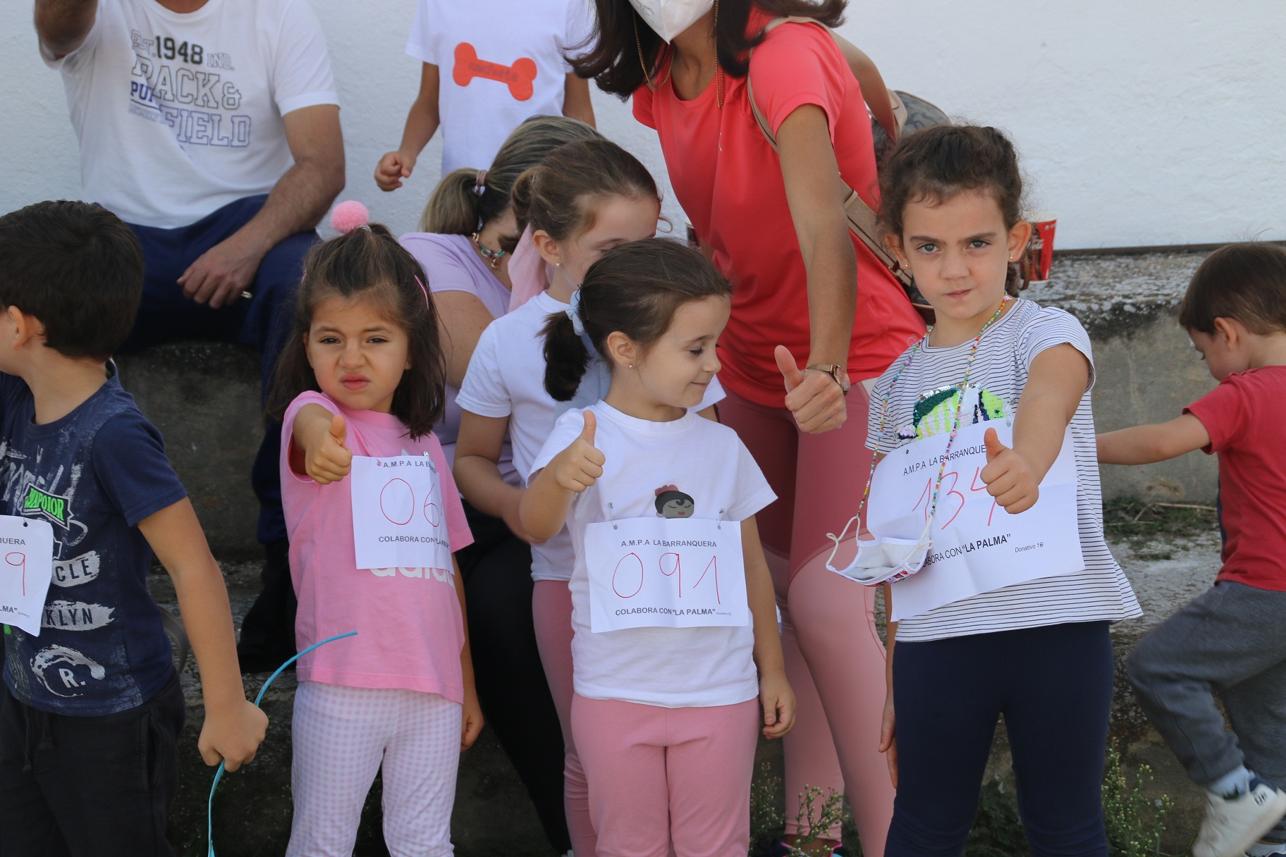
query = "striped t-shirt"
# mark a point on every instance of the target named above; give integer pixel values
(922, 403)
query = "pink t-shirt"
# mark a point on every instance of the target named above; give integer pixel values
(409, 628)
(729, 182)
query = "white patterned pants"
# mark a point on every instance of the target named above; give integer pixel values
(342, 736)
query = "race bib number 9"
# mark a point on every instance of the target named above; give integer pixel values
(398, 519)
(26, 569)
(665, 573)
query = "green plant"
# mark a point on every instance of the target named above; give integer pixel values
(1135, 823)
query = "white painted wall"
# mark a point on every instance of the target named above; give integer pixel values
(1138, 121)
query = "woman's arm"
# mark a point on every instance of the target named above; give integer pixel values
(775, 694)
(871, 82)
(461, 320)
(477, 471)
(815, 196)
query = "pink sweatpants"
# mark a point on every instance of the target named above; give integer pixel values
(668, 781)
(342, 736)
(551, 606)
(834, 657)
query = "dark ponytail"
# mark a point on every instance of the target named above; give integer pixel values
(635, 289)
(467, 198)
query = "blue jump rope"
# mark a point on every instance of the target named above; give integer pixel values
(218, 774)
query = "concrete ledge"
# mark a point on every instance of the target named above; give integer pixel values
(1147, 370)
(204, 397)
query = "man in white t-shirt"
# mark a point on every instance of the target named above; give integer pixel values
(487, 66)
(211, 127)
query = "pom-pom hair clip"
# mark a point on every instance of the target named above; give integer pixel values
(349, 215)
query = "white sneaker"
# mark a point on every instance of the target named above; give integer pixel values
(1232, 825)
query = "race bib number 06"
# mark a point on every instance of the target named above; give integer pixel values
(398, 520)
(665, 573)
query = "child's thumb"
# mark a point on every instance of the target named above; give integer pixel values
(591, 426)
(338, 428)
(994, 446)
(789, 369)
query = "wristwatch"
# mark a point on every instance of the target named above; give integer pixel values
(836, 372)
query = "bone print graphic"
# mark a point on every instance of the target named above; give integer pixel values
(519, 77)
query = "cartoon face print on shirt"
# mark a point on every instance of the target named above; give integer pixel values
(935, 411)
(673, 503)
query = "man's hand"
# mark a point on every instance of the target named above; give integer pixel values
(222, 273)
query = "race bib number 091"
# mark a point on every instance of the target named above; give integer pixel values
(665, 573)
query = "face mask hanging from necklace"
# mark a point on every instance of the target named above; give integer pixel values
(668, 18)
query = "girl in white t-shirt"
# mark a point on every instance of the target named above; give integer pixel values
(583, 199)
(486, 66)
(672, 604)
(1036, 650)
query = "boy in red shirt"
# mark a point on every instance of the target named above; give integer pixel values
(1231, 640)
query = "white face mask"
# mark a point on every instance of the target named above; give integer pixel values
(885, 560)
(668, 18)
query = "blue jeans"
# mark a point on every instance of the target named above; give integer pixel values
(1054, 687)
(263, 321)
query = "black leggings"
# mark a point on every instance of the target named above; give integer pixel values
(511, 681)
(1054, 687)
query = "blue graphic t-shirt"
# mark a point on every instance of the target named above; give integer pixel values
(93, 475)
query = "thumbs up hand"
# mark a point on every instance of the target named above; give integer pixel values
(328, 460)
(812, 396)
(580, 465)
(1008, 476)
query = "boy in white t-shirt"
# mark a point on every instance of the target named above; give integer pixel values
(488, 65)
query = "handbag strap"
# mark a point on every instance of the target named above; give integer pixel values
(862, 219)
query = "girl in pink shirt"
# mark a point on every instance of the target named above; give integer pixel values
(363, 375)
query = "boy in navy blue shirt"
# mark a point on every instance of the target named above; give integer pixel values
(91, 707)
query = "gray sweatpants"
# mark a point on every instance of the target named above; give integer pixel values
(1229, 642)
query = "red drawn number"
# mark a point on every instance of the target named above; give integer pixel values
(955, 480)
(924, 495)
(18, 560)
(638, 562)
(676, 571)
(397, 501)
(713, 563)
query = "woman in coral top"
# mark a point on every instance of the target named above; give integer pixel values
(811, 306)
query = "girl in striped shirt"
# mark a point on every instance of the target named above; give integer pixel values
(1038, 651)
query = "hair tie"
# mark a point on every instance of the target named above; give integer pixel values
(425, 291)
(573, 313)
(480, 183)
(349, 215)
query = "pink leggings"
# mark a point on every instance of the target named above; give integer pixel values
(551, 606)
(668, 781)
(834, 657)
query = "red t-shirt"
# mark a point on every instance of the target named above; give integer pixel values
(1244, 417)
(728, 180)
